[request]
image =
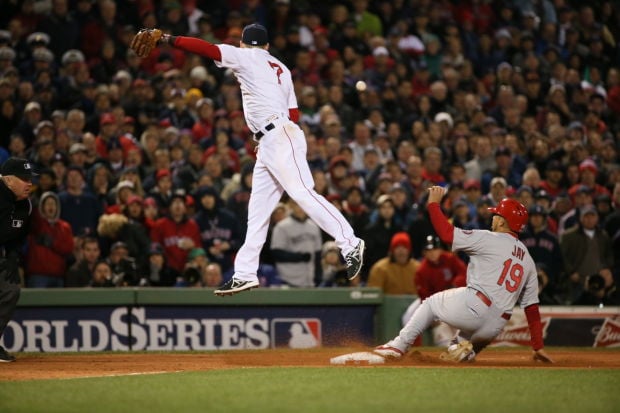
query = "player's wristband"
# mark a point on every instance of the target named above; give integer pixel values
(168, 38)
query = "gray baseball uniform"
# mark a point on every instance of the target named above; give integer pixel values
(500, 274)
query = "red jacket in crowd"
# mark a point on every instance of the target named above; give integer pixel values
(50, 243)
(169, 234)
(448, 272)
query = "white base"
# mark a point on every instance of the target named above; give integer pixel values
(362, 358)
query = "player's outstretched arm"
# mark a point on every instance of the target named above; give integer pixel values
(146, 40)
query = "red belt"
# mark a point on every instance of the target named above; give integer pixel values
(487, 301)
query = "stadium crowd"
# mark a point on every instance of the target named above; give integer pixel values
(145, 165)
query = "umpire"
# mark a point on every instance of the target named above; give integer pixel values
(15, 209)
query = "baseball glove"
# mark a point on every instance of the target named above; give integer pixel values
(145, 41)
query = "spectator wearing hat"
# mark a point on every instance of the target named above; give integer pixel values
(484, 217)
(503, 168)
(498, 189)
(461, 214)
(44, 153)
(30, 120)
(588, 171)
(158, 273)
(220, 231)
(586, 249)
(333, 268)
(604, 206)
(50, 243)
(395, 272)
(355, 210)
(123, 266)
(176, 232)
(79, 208)
(109, 130)
(202, 129)
(404, 213)
(177, 111)
(438, 270)
(379, 232)
(338, 173)
(554, 178)
(544, 247)
(77, 155)
(473, 192)
(162, 191)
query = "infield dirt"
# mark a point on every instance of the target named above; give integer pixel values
(63, 366)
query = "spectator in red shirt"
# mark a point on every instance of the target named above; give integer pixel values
(439, 269)
(50, 243)
(177, 233)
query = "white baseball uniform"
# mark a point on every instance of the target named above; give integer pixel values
(500, 274)
(267, 95)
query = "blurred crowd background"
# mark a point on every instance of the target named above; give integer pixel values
(145, 165)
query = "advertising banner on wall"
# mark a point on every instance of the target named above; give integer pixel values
(157, 328)
(566, 326)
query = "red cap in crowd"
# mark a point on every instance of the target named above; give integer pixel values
(400, 239)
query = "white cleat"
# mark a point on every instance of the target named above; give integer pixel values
(389, 352)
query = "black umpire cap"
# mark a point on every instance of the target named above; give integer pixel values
(18, 167)
(255, 35)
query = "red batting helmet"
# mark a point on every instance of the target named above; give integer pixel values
(513, 212)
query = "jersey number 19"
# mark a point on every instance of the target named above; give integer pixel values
(516, 275)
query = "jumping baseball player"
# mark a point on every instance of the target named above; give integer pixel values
(500, 273)
(271, 113)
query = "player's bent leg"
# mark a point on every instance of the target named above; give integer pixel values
(422, 318)
(266, 193)
(286, 161)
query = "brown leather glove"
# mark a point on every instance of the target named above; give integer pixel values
(145, 41)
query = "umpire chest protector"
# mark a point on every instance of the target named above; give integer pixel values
(14, 217)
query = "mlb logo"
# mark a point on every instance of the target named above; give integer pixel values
(296, 332)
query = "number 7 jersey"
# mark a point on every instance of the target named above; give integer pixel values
(500, 266)
(265, 82)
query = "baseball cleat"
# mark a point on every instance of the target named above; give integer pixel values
(462, 352)
(355, 260)
(388, 352)
(234, 286)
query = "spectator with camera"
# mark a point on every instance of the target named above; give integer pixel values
(50, 244)
(598, 292)
(123, 266)
(158, 274)
(586, 250)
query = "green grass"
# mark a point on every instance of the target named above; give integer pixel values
(325, 390)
